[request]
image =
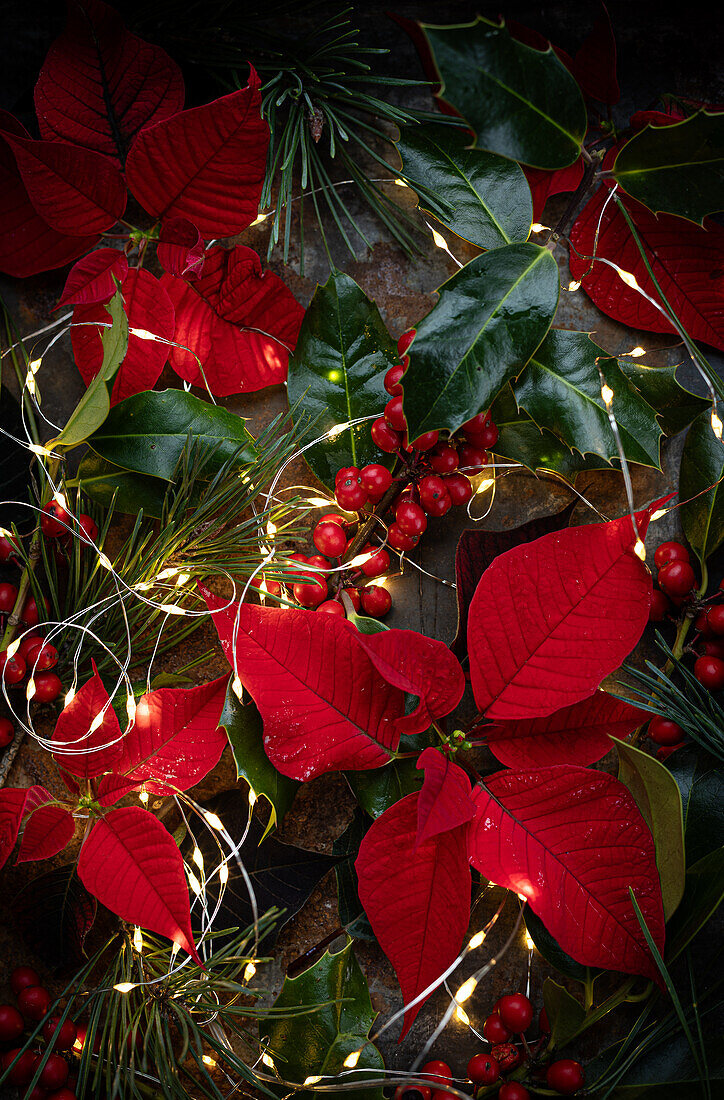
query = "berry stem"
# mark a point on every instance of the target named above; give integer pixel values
(366, 529)
(589, 180)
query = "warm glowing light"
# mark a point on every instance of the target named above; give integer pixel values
(238, 688)
(38, 449)
(124, 987)
(213, 821)
(96, 723)
(60, 499)
(438, 239)
(105, 561)
(315, 1078)
(69, 697)
(249, 972)
(398, 183)
(252, 796)
(636, 352)
(30, 689)
(131, 708)
(144, 334)
(223, 874)
(182, 578)
(606, 394)
(268, 1061)
(659, 513)
(538, 228)
(352, 1059)
(143, 586)
(716, 424)
(529, 941)
(12, 648)
(271, 529)
(376, 582)
(319, 502)
(640, 550)
(210, 1062)
(34, 366)
(574, 284)
(194, 883)
(462, 1015)
(166, 574)
(260, 218)
(30, 384)
(627, 278)
(138, 939)
(143, 796)
(476, 941)
(335, 430)
(466, 990)
(198, 858)
(171, 609)
(485, 485)
(360, 559)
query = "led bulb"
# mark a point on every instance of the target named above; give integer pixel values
(640, 550)
(627, 278)
(439, 240)
(716, 424)
(335, 431)
(69, 697)
(137, 939)
(223, 874)
(238, 688)
(198, 858)
(105, 561)
(466, 990)
(637, 352)
(96, 723)
(30, 689)
(268, 1061)
(352, 1059)
(12, 648)
(606, 394)
(124, 987)
(166, 574)
(171, 609)
(131, 708)
(538, 228)
(462, 1015)
(210, 1062)
(476, 941)
(194, 883)
(574, 284)
(529, 941)
(213, 821)
(313, 1080)
(252, 796)
(249, 972)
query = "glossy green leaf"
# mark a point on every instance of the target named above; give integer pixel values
(676, 169)
(102, 482)
(316, 1043)
(565, 1013)
(560, 389)
(380, 788)
(703, 894)
(520, 102)
(657, 796)
(701, 783)
(553, 953)
(352, 916)
(702, 465)
(337, 373)
(244, 729)
(93, 407)
(149, 431)
(480, 196)
(676, 406)
(490, 318)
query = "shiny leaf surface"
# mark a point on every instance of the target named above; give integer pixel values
(702, 467)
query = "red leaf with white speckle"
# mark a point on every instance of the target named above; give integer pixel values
(133, 866)
(572, 841)
(47, 831)
(551, 618)
(77, 749)
(417, 899)
(444, 802)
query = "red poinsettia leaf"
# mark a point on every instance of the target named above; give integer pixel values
(594, 65)
(551, 618)
(579, 734)
(111, 788)
(14, 802)
(420, 666)
(180, 248)
(47, 831)
(417, 899)
(92, 278)
(75, 191)
(444, 802)
(100, 84)
(206, 164)
(572, 841)
(28, 245)
(537, 41)
(77, 749)
(37, 796)
(544, 184)
(134, 867)
(477, 549)
(688, 263)
(639, 119)
(150, 310)
(239, 323)
(324, 705)
(176, 739)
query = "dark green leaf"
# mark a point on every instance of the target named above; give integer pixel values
(102, 481)
(317, 1043)
(244, 728)
(561, 390)
(657, 796)
(521, 440)
(677, 169)
(554, 954)
(703, 894)
(490, 318)
(337, 374)
(676, 406)
(93, 407)
(149, 431)
(55, 913)
(565, 1013)
(520, 102)
(701, 783)
(352, 916)
(380, 788)
(702, 465)
(482, 197)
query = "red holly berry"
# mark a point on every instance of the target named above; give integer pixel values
(55, 520)
(565, 1076)
(354, 597)
(41, 656)
(516, 1012)
(335, 517)
(444, 459)
(88, 527)
(471, 459)
(715, 619)
(332, 607)
(330, 539)
(476, 424)
(488, 437)
(394, 414)
(47, 687)
(22, 977)
(431, 488)
(8, 596)
(62, 1094)
(23, 1071)
(378, 564)
(714, 648)
(709, 671)
(670, 551)
(55, 1073)
(398, 540)
(30, 614)
(425, 441)
(13, 668)
(495, 1030)
(37, 1093)
(59, 1036)
(483, 1069)
(384, 437)
(318, 562)
(376, 601)
(660, 606)
(392, 380)
(413, 1092)
(410, 518)
(437, 1069)
(663, 731)
(11, 1024)
(312, 593)
(27, 643)
(677, 578)
(7, 732)
(350, 495)
(507, 1056)
(443, 1094)
(342, 473)
(375, 480)
(439, 507)
(405, 340)
(8, 548)
(459, 488)
(33, 1002)
(513, 1090)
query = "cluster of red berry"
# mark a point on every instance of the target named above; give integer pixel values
(431, 479)
(512, 1015)
(32, 1001)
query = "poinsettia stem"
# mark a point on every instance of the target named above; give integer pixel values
(588, 182)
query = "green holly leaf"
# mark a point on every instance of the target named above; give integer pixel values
(104, 482)
(148, 432)
(352, 916)
(244, 729)
(675, 406)
(337, 373)
(480, 196)
(676, 169)
(703, 894)
(316, 1043)
(657, 796)
(702, 465)
(520, 102)
(565, 1013)
(701, 783)
(490, 318)
(561, 390)
(380, 788)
